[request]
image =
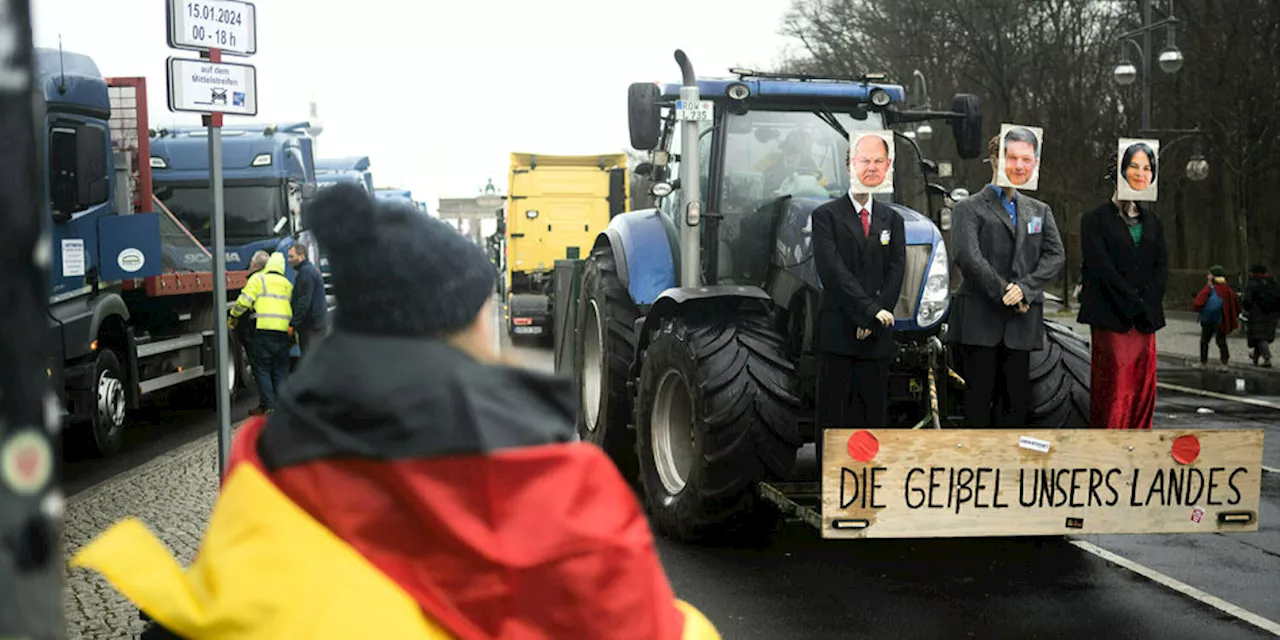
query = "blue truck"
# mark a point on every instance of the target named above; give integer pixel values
(331, 171)
(268, 171)
(400, 194)
(129, 315)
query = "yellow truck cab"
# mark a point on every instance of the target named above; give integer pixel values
(556, 206)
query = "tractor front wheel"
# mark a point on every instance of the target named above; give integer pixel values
(716, 414)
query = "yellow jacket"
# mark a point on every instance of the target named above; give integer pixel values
(256, 576)
(269, 294)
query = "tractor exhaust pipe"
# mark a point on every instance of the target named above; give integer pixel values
(690, 113)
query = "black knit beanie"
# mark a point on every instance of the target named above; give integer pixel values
(397, 271)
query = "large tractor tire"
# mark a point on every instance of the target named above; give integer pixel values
(716, 414)
(606, 345)
(1060, 380)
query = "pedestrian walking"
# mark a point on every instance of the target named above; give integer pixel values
(410, 485)
(1261, 304)
(310, 310)
(1126, 271)
(268, 294)
(860, 251)
(1219, 310)
(1007, 248)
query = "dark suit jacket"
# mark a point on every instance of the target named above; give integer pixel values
(860, 276)
(990, 253)
(1123, 285)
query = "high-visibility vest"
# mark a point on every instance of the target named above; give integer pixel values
(268, 293)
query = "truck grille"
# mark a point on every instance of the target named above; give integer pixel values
(912, 280)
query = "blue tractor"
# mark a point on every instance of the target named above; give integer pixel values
(690, 336)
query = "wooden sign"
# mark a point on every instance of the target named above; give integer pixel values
(903, 483)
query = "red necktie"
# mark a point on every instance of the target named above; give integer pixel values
(866, 223)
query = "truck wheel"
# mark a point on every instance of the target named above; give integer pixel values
(1060, 380)
(606, 344)
(106, 428)
(716, 414)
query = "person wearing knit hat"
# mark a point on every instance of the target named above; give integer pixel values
(410, 484)
(1219, 310)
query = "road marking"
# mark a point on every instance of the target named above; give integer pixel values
(1181, 587)
(1270, 469)
(1219, 396)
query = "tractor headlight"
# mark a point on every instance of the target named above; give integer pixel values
(262, 160)
(880, 98)
(936, 290)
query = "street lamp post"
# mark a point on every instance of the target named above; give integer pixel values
(1170, 58)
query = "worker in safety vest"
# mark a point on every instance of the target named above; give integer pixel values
(268, 293)
(411, 484)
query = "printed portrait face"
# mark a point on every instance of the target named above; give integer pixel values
(1137, 169)
(871, 161)
(1019, 159)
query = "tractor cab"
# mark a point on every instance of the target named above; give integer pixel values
(771, 148)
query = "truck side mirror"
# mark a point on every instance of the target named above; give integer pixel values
(644, 115)
(968, 127)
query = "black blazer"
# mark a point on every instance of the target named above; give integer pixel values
(860, 276)
(1123, 285)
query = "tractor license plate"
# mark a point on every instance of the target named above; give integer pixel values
(699, 112)
(529, 330)
(951, 483)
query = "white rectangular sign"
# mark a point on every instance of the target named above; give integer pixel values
(212, 87)
(200, 25)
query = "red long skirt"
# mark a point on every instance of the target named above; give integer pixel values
(1123, 386)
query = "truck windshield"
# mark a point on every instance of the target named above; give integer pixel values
(769, 154)
(251, 210)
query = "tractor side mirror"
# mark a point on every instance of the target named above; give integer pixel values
(644, 115)
(968, 127)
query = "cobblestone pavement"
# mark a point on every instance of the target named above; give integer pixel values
(173, 494)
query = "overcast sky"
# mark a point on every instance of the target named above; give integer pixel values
(437, 94)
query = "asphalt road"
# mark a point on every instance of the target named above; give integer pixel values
(796, 585)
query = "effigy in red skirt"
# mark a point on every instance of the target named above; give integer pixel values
(1123, 385)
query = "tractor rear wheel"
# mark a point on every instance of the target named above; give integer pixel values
(1060, 380)
(716, 414)
(606, 344)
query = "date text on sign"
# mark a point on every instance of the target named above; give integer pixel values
(200, 25)
(700, 112)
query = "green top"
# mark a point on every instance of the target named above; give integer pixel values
(1135, 232)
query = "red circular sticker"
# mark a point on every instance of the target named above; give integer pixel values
(863, 446)
(1186, 449)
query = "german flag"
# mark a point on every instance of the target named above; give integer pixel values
(405, 490)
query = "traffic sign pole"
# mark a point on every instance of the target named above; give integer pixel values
(30, 496)
(213, 122)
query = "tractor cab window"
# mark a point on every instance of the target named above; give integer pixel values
(768, 156)
(77, 169)
(908, 177)
(771, 154)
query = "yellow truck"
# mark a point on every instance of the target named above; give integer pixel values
(556, 206)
